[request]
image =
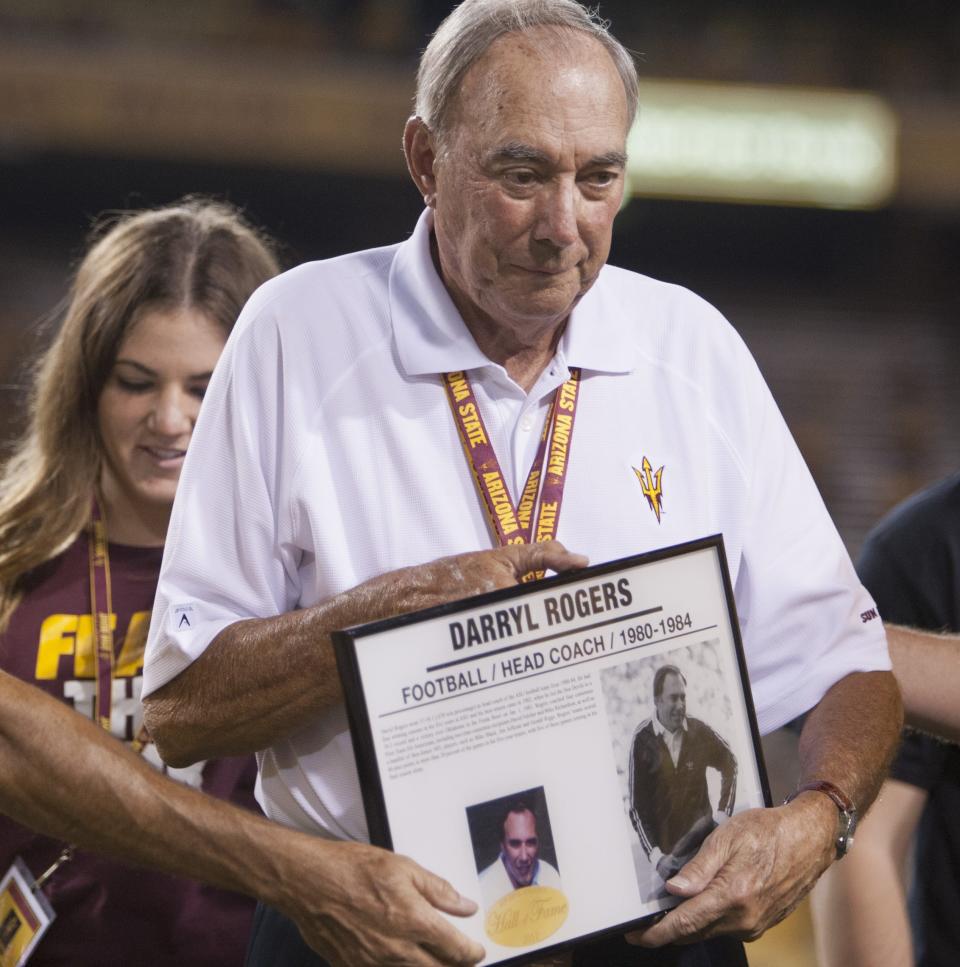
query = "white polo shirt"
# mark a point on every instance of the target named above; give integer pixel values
(326, 454)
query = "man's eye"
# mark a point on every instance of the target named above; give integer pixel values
(521, 179)
(602, 179)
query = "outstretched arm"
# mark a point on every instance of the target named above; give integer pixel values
(859, 906)
(261, 679)
(355, 904)
(927, 666)
(753, 870)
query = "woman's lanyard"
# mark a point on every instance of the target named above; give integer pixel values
(531, 521)
(101, 610)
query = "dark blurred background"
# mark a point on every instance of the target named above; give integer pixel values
(294, 109)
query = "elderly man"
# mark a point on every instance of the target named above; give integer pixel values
(519, 863)
(669, 758)
(373, 415)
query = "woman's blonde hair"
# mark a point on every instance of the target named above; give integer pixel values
(199, 254)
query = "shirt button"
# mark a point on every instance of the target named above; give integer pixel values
(526, 423)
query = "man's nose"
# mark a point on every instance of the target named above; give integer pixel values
(557, 215)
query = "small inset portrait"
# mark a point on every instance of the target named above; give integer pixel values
(520, 888)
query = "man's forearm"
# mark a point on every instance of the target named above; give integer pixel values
(859, 906)
(262, 679)
(927, 666)
(63, 776)
(850, 737)
(258, 681)
(355, 904)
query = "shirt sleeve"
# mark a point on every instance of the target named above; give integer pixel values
(806, 619)
(226, 556)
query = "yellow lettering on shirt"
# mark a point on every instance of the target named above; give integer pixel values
(130, 659)
(62, 635)
(56, 640)
(85, 651)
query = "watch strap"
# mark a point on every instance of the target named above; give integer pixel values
(848, 812)
(840, 799)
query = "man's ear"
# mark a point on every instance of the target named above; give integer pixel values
(418, 148)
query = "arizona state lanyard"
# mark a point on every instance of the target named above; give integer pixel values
(531, 521)
(101, 610)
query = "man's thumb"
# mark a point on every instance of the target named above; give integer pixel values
(695, 875)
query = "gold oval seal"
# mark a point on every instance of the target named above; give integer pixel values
(526, 916)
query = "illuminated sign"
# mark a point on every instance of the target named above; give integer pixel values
(832, 149)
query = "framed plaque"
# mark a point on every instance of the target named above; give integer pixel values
(558, 749)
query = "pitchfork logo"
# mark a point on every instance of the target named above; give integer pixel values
(651, 484)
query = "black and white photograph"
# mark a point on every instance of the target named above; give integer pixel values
(671, 719)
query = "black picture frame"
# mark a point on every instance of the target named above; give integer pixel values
(375, 661)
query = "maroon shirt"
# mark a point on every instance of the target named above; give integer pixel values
(109, 913)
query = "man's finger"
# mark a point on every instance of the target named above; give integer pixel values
(439, 893)
(547, 556)
(687, 923)
(448, 944)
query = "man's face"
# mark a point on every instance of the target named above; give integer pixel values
(672, 703)
(529, 179)
(520, 846)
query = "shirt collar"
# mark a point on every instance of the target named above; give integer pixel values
(660, 729)
(431, 337)
(533, 879)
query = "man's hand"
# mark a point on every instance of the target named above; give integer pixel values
(749, 873)
(376, 908)
(458, 576)
(261, 679)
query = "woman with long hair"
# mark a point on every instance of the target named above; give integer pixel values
(85, 498)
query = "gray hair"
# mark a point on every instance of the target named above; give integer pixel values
(474, 25)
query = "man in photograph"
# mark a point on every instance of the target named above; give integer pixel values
(519, 863)
(669, 758)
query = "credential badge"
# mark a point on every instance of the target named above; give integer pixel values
(651, 484)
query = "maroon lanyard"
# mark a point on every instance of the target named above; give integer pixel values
(532, 520)
(101, 610)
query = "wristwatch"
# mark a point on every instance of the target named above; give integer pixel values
(848, 812)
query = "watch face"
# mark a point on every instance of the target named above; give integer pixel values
(848, 824)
